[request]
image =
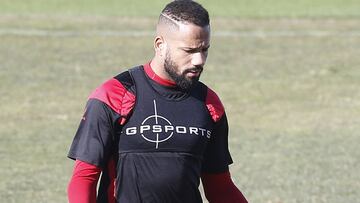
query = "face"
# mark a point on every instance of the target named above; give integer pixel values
(186, 54)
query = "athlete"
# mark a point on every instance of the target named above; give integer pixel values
(154, 131)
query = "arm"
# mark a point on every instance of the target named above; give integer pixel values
(90, 148)
(107, 107)
(83, 181)
(219, 188)
(216, 179)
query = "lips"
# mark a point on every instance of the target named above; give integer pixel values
(194, 72)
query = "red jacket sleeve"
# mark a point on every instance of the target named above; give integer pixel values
(82, 186)
(219, 188)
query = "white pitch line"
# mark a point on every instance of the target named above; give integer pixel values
(69, 33)
(147, 33)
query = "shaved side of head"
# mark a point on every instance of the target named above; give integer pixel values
(166, 24)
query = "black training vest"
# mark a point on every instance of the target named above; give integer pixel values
(162, 145)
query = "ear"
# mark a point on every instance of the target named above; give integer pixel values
(160, 46)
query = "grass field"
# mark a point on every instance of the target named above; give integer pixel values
(288, 75)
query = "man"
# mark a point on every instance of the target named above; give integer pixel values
(153, 131)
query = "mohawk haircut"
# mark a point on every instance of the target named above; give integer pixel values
(185, 11)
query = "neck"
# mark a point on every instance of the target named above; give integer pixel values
(158, 68)
(156, 72)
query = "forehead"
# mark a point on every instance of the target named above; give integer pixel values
(191, 35)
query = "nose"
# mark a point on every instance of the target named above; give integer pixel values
(199, 59)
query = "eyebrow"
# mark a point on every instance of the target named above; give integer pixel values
(196, 48)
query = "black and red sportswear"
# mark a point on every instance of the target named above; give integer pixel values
(159, 138)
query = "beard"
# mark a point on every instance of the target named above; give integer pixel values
(180, 79)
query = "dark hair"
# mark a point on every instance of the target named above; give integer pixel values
(187, 11)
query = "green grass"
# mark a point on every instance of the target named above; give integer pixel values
(292, 102)
(233, 8)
